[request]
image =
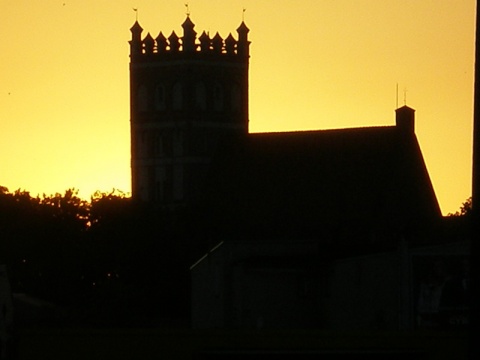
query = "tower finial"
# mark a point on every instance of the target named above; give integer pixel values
(405, 96)
(188, 10)
(136, 13)
(243, 13)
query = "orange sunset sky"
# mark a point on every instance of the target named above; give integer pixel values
(315, 64)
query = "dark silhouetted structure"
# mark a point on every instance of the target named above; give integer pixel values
(306, 183)
(186, 93)
(321, 229)
(190, 146)
(292, 219)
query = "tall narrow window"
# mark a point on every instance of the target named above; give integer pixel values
(177, 96)
(236, 98)
(218, 97)
(160, 101)
(200, 96)
(178, 144)
(142, 98)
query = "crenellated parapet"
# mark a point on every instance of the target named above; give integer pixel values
(147, 48)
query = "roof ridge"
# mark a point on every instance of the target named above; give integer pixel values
(313, 131)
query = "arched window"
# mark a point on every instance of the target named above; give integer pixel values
(160, 97)
(218, 97)
(177, 96)
(200, 96)
(142, 98)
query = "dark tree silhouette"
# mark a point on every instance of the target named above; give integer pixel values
(465, 208)
(109, 260)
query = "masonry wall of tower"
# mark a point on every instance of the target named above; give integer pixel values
(186, 95)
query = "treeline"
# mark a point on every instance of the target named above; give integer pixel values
(107, 261)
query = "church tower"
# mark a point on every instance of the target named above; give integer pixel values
(187, 94)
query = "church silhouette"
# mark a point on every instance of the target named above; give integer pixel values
(283, 212)
(190, 146)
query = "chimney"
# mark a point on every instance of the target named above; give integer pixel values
(405, 119)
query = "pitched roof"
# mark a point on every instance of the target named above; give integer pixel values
(305, 182)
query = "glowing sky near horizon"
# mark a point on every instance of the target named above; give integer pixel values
(64, 86)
